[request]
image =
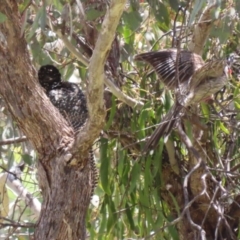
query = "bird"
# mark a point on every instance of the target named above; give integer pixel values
(70, 101)
(164, 62)
(191, 79)
(65, 96)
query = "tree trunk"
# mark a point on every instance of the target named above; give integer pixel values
(66, 189)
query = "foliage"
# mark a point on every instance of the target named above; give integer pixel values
(129, 202)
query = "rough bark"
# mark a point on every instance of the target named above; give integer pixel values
(66, 189)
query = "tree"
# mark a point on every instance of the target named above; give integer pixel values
(186, 188)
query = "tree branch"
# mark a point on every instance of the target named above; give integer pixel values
(13, 140)
(96, 75)
(25, 99)
(17, 187)
(100, 53)
(113, 88)
(202, 30)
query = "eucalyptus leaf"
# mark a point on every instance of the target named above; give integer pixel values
(174, 4)
(161, 13)
(93, 14)
(196, 9)
(132, 20)
(104, 169)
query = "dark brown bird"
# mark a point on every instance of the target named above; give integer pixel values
(165, 62)
(194, 82)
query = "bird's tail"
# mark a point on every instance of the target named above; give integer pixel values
(165, 127)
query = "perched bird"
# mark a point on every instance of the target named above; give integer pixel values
(65, 96)
(191, 79)
(165, 62)
(69, 100)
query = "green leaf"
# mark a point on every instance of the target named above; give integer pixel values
(196, 8)
(112, 113)
(68, 71)
(104, 219)
(161, 13)
(23, 5)
(82, 72)
(112, 217)
(174, 4)
(175, 202)
(57, 4)
(173, 232)
(105, 163)
(43, 17)
(205, 111)
(132, 20)
(223, 128)
(129, 214)
(237, 105)
(121, 161)
(17, 157)
(125, 175)
(134, 176)
(93, 14)
(142, 120)
(188, 127)
(27, 159)
(157, 159)
(147, 173)
(224, 30)
(127, 34)
(3, 17)
(144, 198)
(168, 101)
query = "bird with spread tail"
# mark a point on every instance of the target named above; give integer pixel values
(191, 79)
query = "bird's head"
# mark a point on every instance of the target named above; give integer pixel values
(49, 76)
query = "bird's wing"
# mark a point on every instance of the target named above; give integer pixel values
(164, 62)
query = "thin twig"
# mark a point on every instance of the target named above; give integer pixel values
(15, 224)
(189, 145)
(13, 140)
